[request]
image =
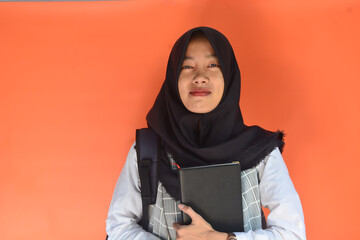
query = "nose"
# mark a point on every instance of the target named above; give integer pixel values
(200, 78)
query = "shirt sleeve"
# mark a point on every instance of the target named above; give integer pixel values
(126, 205)
(277, 193)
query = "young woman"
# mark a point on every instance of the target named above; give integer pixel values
(198, 119)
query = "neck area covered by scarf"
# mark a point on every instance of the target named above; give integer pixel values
(219, 136)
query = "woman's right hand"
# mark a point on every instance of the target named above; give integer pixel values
(199, 229)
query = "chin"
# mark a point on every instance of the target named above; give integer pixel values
(200, 110)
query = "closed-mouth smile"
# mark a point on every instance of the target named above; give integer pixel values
(200, 92)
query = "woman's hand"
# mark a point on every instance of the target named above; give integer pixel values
(198, 229)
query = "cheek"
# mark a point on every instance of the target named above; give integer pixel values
(181, 88)
(219, 84)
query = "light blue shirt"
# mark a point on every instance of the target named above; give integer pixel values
(277, 193)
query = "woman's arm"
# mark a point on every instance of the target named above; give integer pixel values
(277, 192)
(126, 206)
(285, 220)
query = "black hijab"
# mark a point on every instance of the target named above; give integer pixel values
(219, 136)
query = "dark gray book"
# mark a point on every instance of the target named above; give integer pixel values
(214, 192)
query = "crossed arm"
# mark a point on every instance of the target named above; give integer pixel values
(285, 221)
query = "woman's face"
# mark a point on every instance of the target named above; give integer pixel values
(201, 82)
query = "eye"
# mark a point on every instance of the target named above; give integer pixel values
(213, 65)
(186, 67)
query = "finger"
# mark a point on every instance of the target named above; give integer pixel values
(176, 226)
(179, 229)
(189, 211)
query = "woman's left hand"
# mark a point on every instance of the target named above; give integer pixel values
(198, 229)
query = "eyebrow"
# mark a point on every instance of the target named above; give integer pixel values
(208, 56)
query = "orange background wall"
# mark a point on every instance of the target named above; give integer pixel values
(77, 79)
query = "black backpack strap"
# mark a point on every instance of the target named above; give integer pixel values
(147, 155)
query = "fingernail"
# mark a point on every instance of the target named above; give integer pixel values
(181, 206)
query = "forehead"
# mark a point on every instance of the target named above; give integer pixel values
(199, 45)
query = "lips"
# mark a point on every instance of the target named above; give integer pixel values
(200, 92)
